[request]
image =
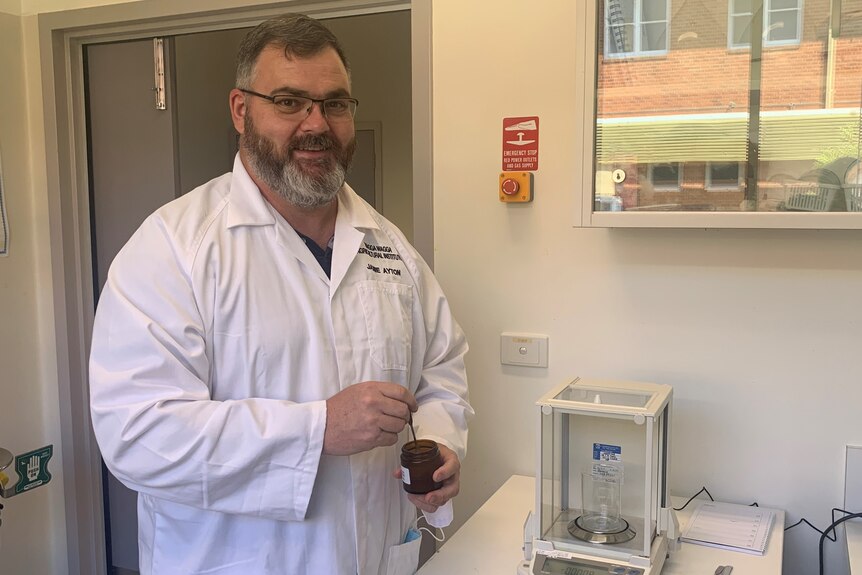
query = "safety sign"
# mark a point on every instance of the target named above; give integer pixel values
(521, 144)
(32, 469)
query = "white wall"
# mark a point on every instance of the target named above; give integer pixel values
(10, 7)
(43, 6)
(759, 332)
(32, 537)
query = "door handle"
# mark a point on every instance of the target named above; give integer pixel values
(6, 459)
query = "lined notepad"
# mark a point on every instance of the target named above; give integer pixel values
(730, 526)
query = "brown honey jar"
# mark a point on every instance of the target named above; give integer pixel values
(419, 460)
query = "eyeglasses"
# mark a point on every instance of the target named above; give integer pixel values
(334, 109)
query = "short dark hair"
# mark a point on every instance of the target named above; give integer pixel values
(297, 34)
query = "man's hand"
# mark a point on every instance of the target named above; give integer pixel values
(449, 474)
(366, 415)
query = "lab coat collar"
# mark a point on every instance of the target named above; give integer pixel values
(247, 206)
(353, 218)
(354, 212)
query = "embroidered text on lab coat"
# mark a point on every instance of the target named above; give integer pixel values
(380, 252)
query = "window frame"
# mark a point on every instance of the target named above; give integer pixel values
(711, 187)
(588, 24)
(665, 187)
(767, 43)
(636, 52)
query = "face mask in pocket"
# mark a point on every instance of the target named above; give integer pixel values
(404, 558)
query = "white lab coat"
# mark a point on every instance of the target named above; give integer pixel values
(218, 338)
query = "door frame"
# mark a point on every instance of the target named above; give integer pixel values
(61, 37)
(376, 128)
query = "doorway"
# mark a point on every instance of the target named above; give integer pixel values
(141, 157)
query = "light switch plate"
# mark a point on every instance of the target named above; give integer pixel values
(524, 349)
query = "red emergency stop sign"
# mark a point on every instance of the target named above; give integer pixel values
(521, 144)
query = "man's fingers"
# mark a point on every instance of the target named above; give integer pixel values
(391, 424)
(399, 393)
(395, 408)
(366, 415)
(450, 488)
(420, 502)
(432, 500)
(451, 465)
(387, 438)
(446, 471)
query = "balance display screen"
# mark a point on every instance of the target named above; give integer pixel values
(554, 566)
(558, 567)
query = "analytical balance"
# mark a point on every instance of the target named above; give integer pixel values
(602, 501)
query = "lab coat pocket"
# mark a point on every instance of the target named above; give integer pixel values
(188, 540)
(388, 309)
(404, 558)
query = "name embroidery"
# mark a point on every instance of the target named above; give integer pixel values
(379, 252)
(377, 270)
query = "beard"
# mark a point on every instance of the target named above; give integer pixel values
(304, 184)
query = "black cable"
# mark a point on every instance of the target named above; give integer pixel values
(702, 490)
(834, 534)
(803, 520)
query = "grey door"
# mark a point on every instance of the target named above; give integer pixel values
(132, 173)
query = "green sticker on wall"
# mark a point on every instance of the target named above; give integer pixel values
(32, 468)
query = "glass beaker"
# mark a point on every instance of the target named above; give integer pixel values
(602, 505)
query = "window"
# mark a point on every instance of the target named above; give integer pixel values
(720, 134)
(723, 175)
(782, 22)
(665, 176)
(636, 27)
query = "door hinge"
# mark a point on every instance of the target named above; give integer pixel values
(159, 67)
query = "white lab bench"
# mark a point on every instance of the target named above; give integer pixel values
(489, 543)
(853, 529)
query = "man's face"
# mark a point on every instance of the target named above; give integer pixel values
(301, 157)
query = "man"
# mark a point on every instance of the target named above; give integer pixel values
(262, 341)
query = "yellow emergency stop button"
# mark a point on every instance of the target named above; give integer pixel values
(516, 187)
(510, 187)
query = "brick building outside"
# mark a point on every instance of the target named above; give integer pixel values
(675, 101)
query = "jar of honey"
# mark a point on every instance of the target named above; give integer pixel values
(420, 458)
